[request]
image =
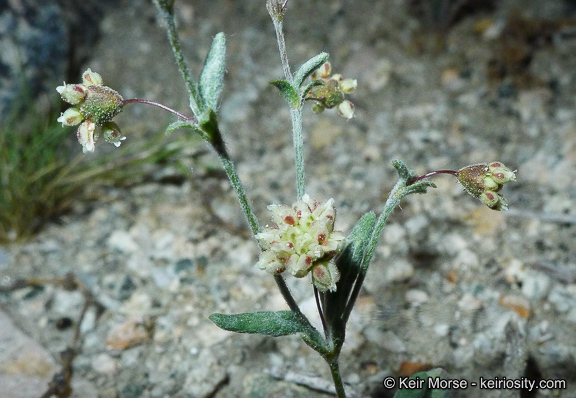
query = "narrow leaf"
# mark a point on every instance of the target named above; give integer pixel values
(349, 263)
(212, 76)
(280, 323)
(308, 67)
(178, 124)
(360, 236)
(288, 91)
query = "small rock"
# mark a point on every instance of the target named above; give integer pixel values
(393, 343)
(416, 297)
(399, 271)
(134, 331)
(470, 303)
(104, 364)
(122, 242)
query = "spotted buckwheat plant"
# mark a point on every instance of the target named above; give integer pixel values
(302, 240)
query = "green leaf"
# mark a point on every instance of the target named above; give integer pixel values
(178, 124)
(352, 270)
(360, 236)
(211, 132)
(308, 67)
(288, 91)
(275, 324)
(212, 76)
(425, 391)
(270, 323)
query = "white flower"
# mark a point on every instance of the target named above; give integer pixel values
(86, 136)
(70, 117)
(346, 109)
(90, 78)
(72, 93)
(302, 238)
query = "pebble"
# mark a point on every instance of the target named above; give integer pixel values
(416, 297)
(393, 343)
(132, 332)
(400, 270)
(104, 364)
(122, 242)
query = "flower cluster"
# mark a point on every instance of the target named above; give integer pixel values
(94, 105)
(483, 181)
(302, 241)
(331, 92)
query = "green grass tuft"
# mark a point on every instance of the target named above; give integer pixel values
(43, 170)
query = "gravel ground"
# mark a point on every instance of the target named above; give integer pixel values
(453, 284)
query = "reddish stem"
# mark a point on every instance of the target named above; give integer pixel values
(433, 173)
(143, 101)
(320, 312)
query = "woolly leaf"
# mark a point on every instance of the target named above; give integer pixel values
(212, 76)
(288, 91)
(308, 67)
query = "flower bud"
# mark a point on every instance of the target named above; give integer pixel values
(70, 117)
(270, 263)
(299, 265)
(346, 109)
(500, 173)
(322, 72)
(72, 93)
(112, 134)
(325, 276)
(90, 78)
(348, 85)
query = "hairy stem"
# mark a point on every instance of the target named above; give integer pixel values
(195, 99)
(337, 377)
(230, 170)
(282, 48)
(295, 113)
(298, 143)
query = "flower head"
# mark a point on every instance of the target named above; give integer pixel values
(331, 93)
(485, 180)
(94, 105)
(302, 241)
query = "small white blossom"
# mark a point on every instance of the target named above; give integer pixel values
(86, 136)
(302, 238)
(70, 117)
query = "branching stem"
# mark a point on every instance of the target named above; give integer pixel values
(433, 173)
(148, 102)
